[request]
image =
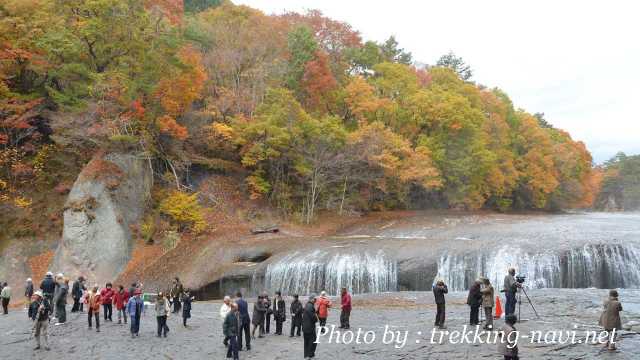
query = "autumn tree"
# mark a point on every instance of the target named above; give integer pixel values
(456, 64)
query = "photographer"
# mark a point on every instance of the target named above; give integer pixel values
(474, 300)
(510, 288)
(439, 289)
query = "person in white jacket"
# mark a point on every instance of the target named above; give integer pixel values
(224, 310)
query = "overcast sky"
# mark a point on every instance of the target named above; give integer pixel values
(576, 61)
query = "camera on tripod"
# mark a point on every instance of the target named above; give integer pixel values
(521, 278)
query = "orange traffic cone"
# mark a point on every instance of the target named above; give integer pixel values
(498, 308)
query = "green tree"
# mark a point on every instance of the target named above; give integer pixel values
(456, 63)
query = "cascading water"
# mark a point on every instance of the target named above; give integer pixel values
(317, 270)
(592, 265)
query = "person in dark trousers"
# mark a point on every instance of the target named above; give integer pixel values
(134, 308)
(510, 288)
(107, 301)
(84, 293)
(162, 311)
(231, 329)
(120, 299)
(309, 320)
(28, 292)
(474, 300)
(245, 321)
(93, 307)
(279, 312)
(48, 287)
(39, 312)
(61, 301)
(257, 320)
(268, 313)
(439, 290)
(187, 299)
(76, 294)
(5, 295)
(296, 316)
(508, 346)
(345, 304)
(176, 295)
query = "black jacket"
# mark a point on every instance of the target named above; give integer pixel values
(296, 312)
(230, 325)
(35, 313)
(279, 309)
(76, 290)
(309, 318)
(438, 293)
(243, 310)
(61, 299)
(186, 306)
(48, 286)
(475, 296)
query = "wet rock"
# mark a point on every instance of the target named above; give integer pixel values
(106, 200)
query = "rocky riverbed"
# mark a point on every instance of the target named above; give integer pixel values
(409, 315)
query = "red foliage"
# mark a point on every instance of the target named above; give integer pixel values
(169, 126)
(318, 81)
(173, 10)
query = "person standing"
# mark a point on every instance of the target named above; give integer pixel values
(345, 305)
(474, 300)
(120, 299)
(279, 312)
(134, 308)
(28, 292)
(259, 310)
(5, 295)
(76, 293)
(48, 286)
(243, 313)
(107, 301)
(94, 301)
(224, 310)
(309, 320)
(176, 294)
(162, 312)
(610, 318)
(268, 312)
(61, 301)
(439, 290)
(510, 287)
(508, 346)
(323, 310)
(39, 312)
(83, 292)
(296, 316)
(487, 303)
(230, 329)
(187, 299)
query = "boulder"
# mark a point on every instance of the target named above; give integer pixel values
(109, 196)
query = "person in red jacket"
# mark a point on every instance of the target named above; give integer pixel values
(120, 299)
(345, 301)
(107, 300)
(322, 308)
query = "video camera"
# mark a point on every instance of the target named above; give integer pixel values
(521, 278)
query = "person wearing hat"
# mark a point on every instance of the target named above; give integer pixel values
(487, 292)
(28, 292)
(309, 320)
(39, 311)
(296, 316)
(134, 308)
(279, 312)
(5, 295)
(323, 310)
(508, 345)
(48, 286)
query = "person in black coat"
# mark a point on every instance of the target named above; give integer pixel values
(76, 293)
(230, 328)
(48, 287)
(259, 311)
(268, 313)
(245, 321)
(439, 289)
(279, 312)
(187, 299)
(474, 300)
(296, 315)
(309, 320)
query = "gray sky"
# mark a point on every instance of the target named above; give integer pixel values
(576, 61)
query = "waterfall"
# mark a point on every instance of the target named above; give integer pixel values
(592, 265)
(317, 270)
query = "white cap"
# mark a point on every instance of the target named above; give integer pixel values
(323, 293)
(29, 280)
(49, 273)
(60, 275)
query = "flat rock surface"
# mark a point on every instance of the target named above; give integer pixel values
(409, 313)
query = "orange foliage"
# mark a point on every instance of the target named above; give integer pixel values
(173, 10)
(39, 265)
(318, 82)
(169, 126)
(177, 92)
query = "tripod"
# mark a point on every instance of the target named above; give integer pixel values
(521, 291)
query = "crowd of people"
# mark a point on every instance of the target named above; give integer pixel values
(49, 302)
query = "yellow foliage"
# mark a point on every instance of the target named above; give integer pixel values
(22, 202)
(184, 210)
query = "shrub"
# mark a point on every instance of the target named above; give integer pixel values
(184, 211)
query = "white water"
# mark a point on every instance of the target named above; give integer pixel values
(317, 270)
(592, 265)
